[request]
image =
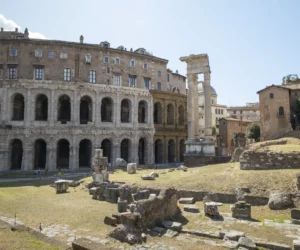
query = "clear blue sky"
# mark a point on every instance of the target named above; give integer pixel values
(250, 43)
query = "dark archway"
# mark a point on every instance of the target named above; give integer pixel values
(106, 147)
(18, 108)
(158, 151)
(63, 154)
(106, 109)
(171, 151)
(157, 113)
(142, 112)
(170, 114)
(125, 111)
(64, 109)
(41, 108)
(40, 150)
(181, 115)
(16, 154)
(181, 150)
(85, 112)
(125, 150)
(142, 151)
(85, 152)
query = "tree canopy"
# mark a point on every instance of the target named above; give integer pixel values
(253, 132)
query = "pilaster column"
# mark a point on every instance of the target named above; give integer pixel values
(28, 109)
(74, 156)
(150, 149)
(207, 105)
(51, 109)
(75, 109)
(98, 110)
(51, 156)
(134, 112)
(190, 107)
(117, 111)
(27, 159)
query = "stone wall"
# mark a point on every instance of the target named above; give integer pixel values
(196, 161)
(259, 160)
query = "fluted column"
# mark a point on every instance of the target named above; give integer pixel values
(190, 107)
(207, 105)
(195, 106)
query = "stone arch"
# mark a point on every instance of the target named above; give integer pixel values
(107, 110)
(86, 110)
(64, 108)
(126, 149)
(85, 153)
(40, 151)
(142, 151)
(18, 105)
(142, 112)
(158, 151)
(170, 114)
(181, 150)
(16, 154)
(106, 146)
(63, 154)
(171, 151)
(157, 113)
(41, 108)
(125, 110)
(181, 115)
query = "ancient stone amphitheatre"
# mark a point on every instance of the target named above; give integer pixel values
(209, 207)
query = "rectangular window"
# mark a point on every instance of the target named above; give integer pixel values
(147, 83)
(63, 55)
(92, 76)
(38, 53)
(132, 63)
(107, 70)
(50, 54)
(88, 59)
(145, 66)
(105, 45)
(39, 73)
(168, 77)
(1, 72)
(117, 80)
(13, 52)
(159, 73)
(117, 61)
(132, 81)
(12, 72)
(67, 75)
(106, 59)
(158, 86)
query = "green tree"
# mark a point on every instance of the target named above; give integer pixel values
(297, 110)
(253, 132)
(213, 131)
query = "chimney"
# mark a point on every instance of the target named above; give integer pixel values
(2, 29)
(26, 33)
(16, 29)
(81, 39)
(176, 71)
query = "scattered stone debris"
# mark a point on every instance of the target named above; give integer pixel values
(295, 214)
(141, 195)
(110, 221)
(298, 180)
(120, 163)
(231, 234)
(182, 167)
(246, 243)
(171, 170)
(176, 226)
(191, 208)
(61, 186)
(189, 200)
(75, 183)
(280, 201)
(154, 174)
(296, 244)
(131, 168)
(147, 177)
(211, 209)
(241, 210)
(122, 206)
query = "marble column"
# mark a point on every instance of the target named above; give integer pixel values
(207, 105)
(190, 107)
(195, 106)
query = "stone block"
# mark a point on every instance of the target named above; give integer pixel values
(241, 210)
(246, 243)
(295, 221)
(141, 195)
(295, 213)
(118, 217)
(154, 174)
(110, 221)
(152, 196)
(122, 206)
(231, 234)
(190, 200)
(147, 177)
(191, 209)
(170, 233)
(120, 163)
(177, 226)
(296, 244)
(230, 244)
(131, 168)
(92, 190)
(61, 186)
(159, 230)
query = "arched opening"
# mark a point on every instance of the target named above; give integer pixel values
(125, 150)
(281, 111)
(271, 95)
(41, 108)
(106, 110)
(85, 110)
(85, 151)
(64, 109)
(171, 151)
(106, 147)
(40, 149)
(63, 154)
(181, 115)
(141, 151)
(158, 151)
(18, 108)
(170, 114)
(125, 111)
(157, 113)
(142, 112)
(16, 154)
(181, 150)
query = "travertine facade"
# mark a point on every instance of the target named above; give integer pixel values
(248, 112)
(61, 100)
